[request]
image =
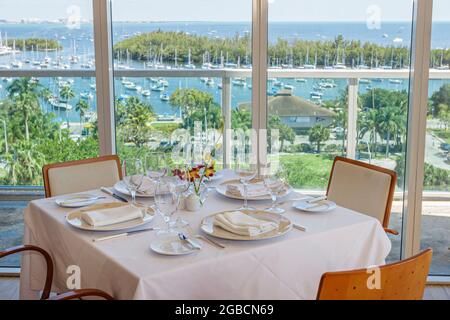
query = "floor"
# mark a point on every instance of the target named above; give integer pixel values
(9, 290)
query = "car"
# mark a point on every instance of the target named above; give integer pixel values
(445, 146)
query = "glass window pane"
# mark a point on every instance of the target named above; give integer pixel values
(322, 58)
(42, 119)
(197, 62)
(435, 228)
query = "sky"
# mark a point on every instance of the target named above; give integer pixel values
(222, 10)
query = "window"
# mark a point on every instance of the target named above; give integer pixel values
(47, 113)
(435, 228)
(195, 66)
(337, 84)
(348, 110)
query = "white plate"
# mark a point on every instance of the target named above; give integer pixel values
(222, 189)
(284, 226)
(171, 247)
(74, 218)
(121, 187)
(84, 200)
(325, 206)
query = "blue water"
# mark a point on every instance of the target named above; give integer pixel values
(81, 41)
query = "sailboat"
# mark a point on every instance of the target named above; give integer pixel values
(307, 65)
(189, 65)
(14, 62)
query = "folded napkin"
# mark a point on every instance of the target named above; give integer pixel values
(147, 187)
(243, 224)
(253, 190)
(104, 217)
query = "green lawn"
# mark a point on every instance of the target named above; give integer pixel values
(308, 171)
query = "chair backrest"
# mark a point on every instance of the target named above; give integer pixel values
(81, 175)
(363, 188)
(403, 280)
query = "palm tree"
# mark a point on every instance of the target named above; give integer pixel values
(66, 94)
(369, 123)
(318, 134)
(388, 124)
(81, 107)
(25, 95)
(24, 165)
(21, 86)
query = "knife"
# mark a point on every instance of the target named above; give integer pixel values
(114, 195)
(123, 234)
(317, 199)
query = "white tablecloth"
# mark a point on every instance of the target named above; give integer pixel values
(288, 267)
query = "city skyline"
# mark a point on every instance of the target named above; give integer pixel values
(179, 10)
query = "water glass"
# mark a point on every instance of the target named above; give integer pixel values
(275, 184)
(133, 175)
(246, 172)
(155, 166)
(166, 201)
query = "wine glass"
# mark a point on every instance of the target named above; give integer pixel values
(156, 166)
(133, 176)
(166, 201)
(246, 172)
(274, 181)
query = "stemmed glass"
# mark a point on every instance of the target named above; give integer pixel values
(166, 202)
(246, 172)
(274, 181)
(133, 176)
(156, 165)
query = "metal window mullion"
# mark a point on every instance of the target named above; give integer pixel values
(259, 80)
(104, 75)
(417, 123)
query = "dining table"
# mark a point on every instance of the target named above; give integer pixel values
(285, 267)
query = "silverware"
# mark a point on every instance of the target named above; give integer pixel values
(126, 234)
(299, 227)
(205, 239)
(210, 241)
(114, 195)
(75, 200)
(317, 199)
(184, 237)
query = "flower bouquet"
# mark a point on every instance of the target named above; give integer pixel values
(196, 176)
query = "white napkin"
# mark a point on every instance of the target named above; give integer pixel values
(147, 187)
(253, 190)
(243, 224)
(104, 217)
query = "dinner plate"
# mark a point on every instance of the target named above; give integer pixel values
(222, 189)
(75, 220)
(171, 246)
(284, 226)
(72, 201)
(322, 206)
(122, 188)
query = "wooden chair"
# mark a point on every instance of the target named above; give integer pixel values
(75, 294)
(363, 188)
(403, 280)
(82, 175)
